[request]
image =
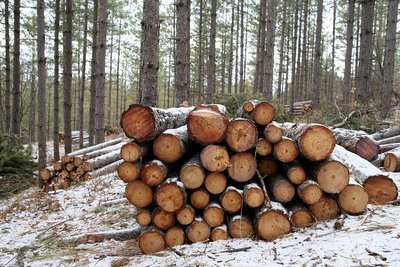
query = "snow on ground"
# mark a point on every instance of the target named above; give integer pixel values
(34, 223)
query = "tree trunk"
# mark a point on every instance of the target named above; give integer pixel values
(56, 100)
(230, 66)
(110, 74)
(104, 159)
(262, 113)
(16, 111)
(171, 145)
(32, 108)
(149, 64)
(192, 173)
(182, 61)
(7, 92)
(259, 73)
(144, 123)
(363, 81)
(272, 223)
(241, 135)
(390, 51)
(304, 62)
(117, 103)
(154, 173)
(317, 72)
(281, 52)
(211, 57)
(270, 49)
(294, 51)
(215, 183)
(390, 140)
(386, 133)
(332, 83)
(200, 54)
(349, 51)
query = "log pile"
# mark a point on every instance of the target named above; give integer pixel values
(301, 108)
(82, 165)
(195, 175)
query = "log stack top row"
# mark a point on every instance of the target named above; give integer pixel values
(194, 170)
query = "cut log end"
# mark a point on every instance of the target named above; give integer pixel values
(215, 158)
(138, 122)
(263, 147)
(139, 194)
(296, 175)
(272, 224)
(282, 190)
(185, 215)
(175, 236)
(243, 167)
(215, 183)
(163, 220)
(324, 209)
(192, 176)
(214, 215)
(241, 135)
(170, 197)
(200, 199)
(391, 162)
(380, 189)
(198, 231)
(45, 174)
(273, 133)
(154, 173)
(317, 143)
(333, 176)
(231, 200)
(143, 217)
(263, 113)
(310, 192)
(248, 106)
(253, 196)
(301, 218)
(353, 199)
(219, 233)
(128, 172)
(240, 227)
(367, 148)
(268, 166)
(286, 150)
(130, 152)
(168, 148)
(151, 241)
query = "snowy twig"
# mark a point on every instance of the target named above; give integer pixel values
(267, 199)
(375, 254)
(51, 227)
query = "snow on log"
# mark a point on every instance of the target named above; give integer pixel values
(386, 133)
(299, 215)
(133, 151)
(262, 113)
(104, 160)
(272, 223)
(392, 161)
(96, 147)
(390, 140)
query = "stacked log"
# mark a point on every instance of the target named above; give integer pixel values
(301, 108)
(217, 178)
(85, 164)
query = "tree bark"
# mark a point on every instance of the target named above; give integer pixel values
(92, 105)
(317, 72)
(259, 73)
(211, 57)
(349, 51)
(171, 145)
(386, 133)
(230, 66)
(240, 227)
(192, 174)
(56, 99)
(7, 92)
(392, 161)
(270, 52)
(272, 223)
(16, 111)
(390, 140)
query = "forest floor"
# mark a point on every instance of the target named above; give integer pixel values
(39, 229)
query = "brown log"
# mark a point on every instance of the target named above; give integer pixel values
(386, 133)
(103, 170)
(175, 236)
(143, 217)
(170, 146)
(86, 166)
(207, 125)
(192, 174)
(281, 188)
(219, 233)
(104, 160)
(45, 174)
(247, 107)
(154, 173)
(199, 198)
(295, 172)
(97, 147)
(253, 195)
(80, 170)
(69, 167)
(324, 209)
(58, 166)
(315, 142)
(241, 135)
(262, 113)
(77, 161)
(213, 214)
(268, 166)
(379, 187)
(162, 219)
(273, 132)
(332, 175)
(231, 200)
(198, 231)
(378, 161)
(128, 171)
(73, 176)
(66, 159)
(144, 123)
(263, 147)
(151, 240)
(138, 194)
(286, 150)
(272, 223)
(63, 174)
(215, 183)
(102, 151)
(357, 142)
(392, 161)
(243, 167)
(388, 147)
(214, 158)
(133, 151)
(185, 215)
(170, 195)
(353, 199)
(309, 192)
(300, 216)
(240, 227)
(390, 140)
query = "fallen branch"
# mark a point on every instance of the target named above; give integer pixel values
(347, 118)
(120, 235)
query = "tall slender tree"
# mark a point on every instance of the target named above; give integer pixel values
(33, 100)
(149, 58)
(332, 83)
(7, 92)
(294, 53)
(93, 66)
(16, 114)
(317, 71)
(270, 47)
(390, 50)
(304, 63)
(56, 99)
(211, 57)
(230, 64)
(281, 51)
(41, 40)
(259, 73)
(241, 62)
(118, 74)
(200, 54)
(110, 75)
(101, 66)
(349, 51)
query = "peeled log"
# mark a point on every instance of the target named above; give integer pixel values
(325, 209)
(207, 125)
(198, 231)
(154, 173)
(295, 172)
(104, 160)
(241, 135)
(282, 190)
(129, 172)
(151, 241)
(273, 132)
(392, 161)
(170, 146)
(219, 233)
(357, 142)
(262, 114)
(144, 123)
(263, 147)
(379, 187)
(162, 219)
(215, 183)
(310, 192)
(103, 170)
(286, 150)
(268, 166)
(175, 236)
(96, 147)
(185, 215)
(143, 217)
(240, 227)
(138, 194)
(316, 142)
(390, 140)
(170, 195)
(272, 223)
(300, 216)
(192, 174)
(253, 195)
(243, 167)
(388, 147)
(131, 152)
(231, 200)
(353, 199)
(105, 150)
(214, 158)
(199, 199)
(386, 133)
(213, 214)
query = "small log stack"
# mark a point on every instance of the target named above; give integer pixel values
(200, 176)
